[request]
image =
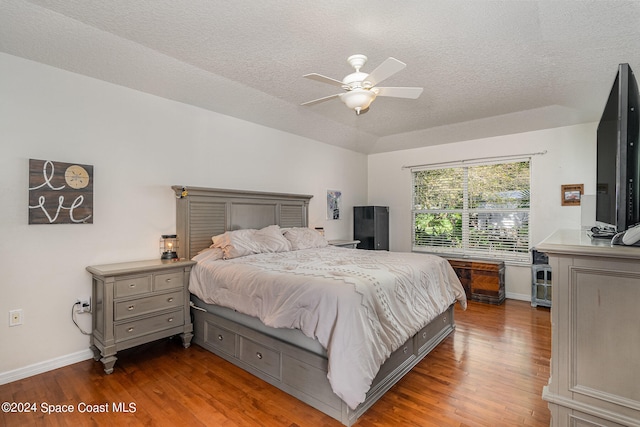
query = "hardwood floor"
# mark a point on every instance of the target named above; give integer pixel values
(489, 372)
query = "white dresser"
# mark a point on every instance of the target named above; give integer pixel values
(595, 321)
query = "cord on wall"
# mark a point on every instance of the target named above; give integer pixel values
(73, 317)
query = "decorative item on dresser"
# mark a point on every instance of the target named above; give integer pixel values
(138, 302)
(595, 338)
(285, 357)
(482, 280)
(371, 227)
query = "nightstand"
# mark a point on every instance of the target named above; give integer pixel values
(344, 243)
(138, 302)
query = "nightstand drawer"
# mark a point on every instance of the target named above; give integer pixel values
(168, 280)
(149, 325)
(149, 304)
(132, 286)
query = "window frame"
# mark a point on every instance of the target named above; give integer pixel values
(517, 255)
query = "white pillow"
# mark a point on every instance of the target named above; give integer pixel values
(304, 238)
(210, 254)
(236, 243)
(270, 239)
(240, 243)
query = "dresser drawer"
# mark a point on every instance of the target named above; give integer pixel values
(136, 328)
(263, 358)
(148, 304)
(134, 285)
(171, 280)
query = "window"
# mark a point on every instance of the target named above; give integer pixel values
(479, 210)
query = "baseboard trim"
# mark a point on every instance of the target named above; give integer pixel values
(521, 297)
(45, 366)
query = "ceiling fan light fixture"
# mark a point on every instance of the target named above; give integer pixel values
(358, 99)
(362, 88)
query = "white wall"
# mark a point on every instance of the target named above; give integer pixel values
(139, 146)
(570, 159)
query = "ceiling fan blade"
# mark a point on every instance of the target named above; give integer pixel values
(323, 79)
(316, 101)
(385, 70)
(400, 92)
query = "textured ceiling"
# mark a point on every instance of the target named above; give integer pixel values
(488, 68)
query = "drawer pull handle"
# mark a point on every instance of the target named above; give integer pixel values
(167, 280)
(170, 299)
(130, 329)
(132, 285)
(259, 355)
(424, 335)
(130, 308)
(220, 337)
(170, 319)
(405, 350)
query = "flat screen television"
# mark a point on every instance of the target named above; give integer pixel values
(617, 198)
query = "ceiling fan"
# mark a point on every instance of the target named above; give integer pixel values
(361, 87)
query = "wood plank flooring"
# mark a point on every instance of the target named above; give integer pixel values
(489, 372)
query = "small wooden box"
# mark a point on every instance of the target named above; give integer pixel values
(482, 280)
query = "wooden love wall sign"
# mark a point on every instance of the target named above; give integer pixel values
(60, 193)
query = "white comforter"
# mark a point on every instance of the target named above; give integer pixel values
(360, 305)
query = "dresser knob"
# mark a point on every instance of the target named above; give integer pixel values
(405, 350)
(170, 299)
(424, 335)
(130, 308)
(130, 329)
(168, 280)
(259, 355)
(170, 319)
(220, 337)
(132, 285)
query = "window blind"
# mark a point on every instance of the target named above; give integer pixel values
(479, 210)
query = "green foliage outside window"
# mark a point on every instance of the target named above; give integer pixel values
(476, 208)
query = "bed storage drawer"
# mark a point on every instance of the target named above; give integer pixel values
(219, 338)
(170, 280)
(429, 332)
(150, 304)
(136, 328)
(129, 286)
(261, 357)
(301, 375)
(397, 358)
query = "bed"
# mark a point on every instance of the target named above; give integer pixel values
(334, 327)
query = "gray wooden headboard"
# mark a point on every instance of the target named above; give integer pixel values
(202, 213)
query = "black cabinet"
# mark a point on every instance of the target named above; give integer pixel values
(371, 227)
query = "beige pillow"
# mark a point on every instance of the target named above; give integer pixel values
(240, 243)
(304, 238)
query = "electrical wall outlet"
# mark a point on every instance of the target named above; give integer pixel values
(15, 317)
(83, 305)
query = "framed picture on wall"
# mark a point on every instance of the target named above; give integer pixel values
(571, 194)
(334, 203)
(60, 193)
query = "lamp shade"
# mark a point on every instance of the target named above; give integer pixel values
(358, 99)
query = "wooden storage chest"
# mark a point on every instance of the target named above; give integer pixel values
(482, 280)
